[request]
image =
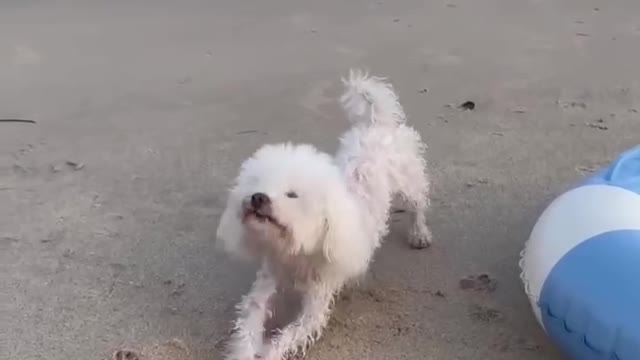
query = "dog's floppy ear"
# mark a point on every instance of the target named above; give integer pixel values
(345, 245)
(230, 233)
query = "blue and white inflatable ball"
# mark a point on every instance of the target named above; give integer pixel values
(581, 265)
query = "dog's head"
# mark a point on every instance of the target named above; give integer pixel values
(290, 201)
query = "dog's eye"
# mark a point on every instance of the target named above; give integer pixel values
(292, 195)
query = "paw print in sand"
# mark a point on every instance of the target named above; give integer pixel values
(126, 355)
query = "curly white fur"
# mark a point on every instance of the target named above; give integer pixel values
(314, 221)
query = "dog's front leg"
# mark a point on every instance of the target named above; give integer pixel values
(248, 332)
(306, 329)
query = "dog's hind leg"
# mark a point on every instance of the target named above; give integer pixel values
(414, 186)
(420, 236)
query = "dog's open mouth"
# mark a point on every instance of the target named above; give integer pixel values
(261, 217)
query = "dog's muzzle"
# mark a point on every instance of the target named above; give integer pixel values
(258, 204)
(260, 200)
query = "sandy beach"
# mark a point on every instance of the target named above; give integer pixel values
(144, 110)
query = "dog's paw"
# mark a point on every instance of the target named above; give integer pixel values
(420, 238)
(242, 355)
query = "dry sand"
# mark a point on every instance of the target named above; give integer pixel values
(144, 109)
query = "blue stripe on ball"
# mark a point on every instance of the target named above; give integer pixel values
(624, 173)
(590, 302)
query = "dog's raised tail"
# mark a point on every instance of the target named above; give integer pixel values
(370, 99)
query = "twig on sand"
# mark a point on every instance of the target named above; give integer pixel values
(18, 121)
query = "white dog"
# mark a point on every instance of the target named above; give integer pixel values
(313, 221)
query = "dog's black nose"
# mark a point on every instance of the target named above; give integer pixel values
(258, 200)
